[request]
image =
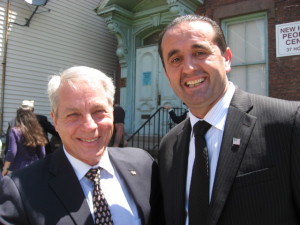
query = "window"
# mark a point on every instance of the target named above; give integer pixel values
(152, 39)
(247, 38)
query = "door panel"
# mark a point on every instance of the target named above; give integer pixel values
(152, 86)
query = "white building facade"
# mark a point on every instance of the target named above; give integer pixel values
(39, 41)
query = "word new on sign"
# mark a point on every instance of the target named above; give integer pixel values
(288, 39)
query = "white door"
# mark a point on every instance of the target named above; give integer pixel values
(152, 86)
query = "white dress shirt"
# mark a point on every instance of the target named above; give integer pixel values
(121, 203)
(216, 117)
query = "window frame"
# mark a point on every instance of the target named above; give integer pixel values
(247, 18)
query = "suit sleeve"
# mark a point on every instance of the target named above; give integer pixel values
(11, 206)
(295, 157)
(156, 199)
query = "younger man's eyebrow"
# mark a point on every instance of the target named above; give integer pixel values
(196, 46)
(171, 53)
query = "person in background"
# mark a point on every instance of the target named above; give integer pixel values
(247, 162)
(48, 128)
(26, 142)
(44, 123)
(118, 137)
(176, 118)
(66, 186)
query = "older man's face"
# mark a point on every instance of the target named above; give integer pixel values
(84, 121)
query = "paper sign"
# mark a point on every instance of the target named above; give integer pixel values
(288, 39)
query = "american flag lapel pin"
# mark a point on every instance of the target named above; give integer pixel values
(236, 142)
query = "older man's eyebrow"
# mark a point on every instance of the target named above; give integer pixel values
(70, 109)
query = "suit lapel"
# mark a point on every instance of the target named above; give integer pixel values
(133, 179)
(239, 126)
(178, 182)
(68, 189)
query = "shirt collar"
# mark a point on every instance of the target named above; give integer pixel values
(82, 168)
(216, 116)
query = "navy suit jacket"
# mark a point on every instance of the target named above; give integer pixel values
(48, 192)
(256, 182)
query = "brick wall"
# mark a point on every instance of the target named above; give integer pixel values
(284, 72)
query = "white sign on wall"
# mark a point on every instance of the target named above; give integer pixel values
(288, 39)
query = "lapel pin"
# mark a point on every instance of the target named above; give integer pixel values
(133, 172)
(236, 142)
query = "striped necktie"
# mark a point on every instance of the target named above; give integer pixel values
(199, 189)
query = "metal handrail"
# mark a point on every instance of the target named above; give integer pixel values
(150, 133)
(143, 125)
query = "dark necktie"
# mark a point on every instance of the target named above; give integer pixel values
(101, 209)
(199, 189)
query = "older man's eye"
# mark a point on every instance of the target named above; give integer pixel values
(100, 111)
(73, 115)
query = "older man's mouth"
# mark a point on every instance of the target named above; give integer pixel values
(89, 140)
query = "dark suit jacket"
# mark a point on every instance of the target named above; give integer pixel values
(46, 125)
(257, 182)
(48, 192)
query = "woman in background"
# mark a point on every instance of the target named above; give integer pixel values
(26, 142)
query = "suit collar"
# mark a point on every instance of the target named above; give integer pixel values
(64, 183)
(133, 179)
(239, 126)
(241, 101)
(178, 185)
(81, 168)
(128, 172)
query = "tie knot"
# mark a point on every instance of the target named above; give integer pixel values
(93, 174)
(201, 127)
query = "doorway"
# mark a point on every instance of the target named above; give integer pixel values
(152, 86)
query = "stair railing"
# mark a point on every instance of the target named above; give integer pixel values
(150, 133)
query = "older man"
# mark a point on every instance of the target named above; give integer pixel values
(84, 182)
